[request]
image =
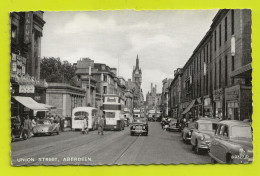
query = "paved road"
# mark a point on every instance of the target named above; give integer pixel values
(115, 147)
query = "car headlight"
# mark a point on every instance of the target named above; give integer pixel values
(202, 137)
(242, 153)
(189, 133)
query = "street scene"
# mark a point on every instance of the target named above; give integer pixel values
(131, 87)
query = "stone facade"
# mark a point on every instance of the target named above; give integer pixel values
(221, 60)
(64, 98)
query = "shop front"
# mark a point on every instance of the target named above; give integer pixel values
(217, 103)
(238, 102)
(207, 107)
(27, 96)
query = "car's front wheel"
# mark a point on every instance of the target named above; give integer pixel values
(213, 161)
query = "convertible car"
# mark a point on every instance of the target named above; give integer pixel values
(232, 143)
(46, 126)
(139, 126)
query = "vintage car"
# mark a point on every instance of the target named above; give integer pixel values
(202, 134)
(174, 125)
(232, 143)
(186, 132)
(139, 126)
(46, 126)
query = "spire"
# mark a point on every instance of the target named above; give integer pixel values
(137, 62)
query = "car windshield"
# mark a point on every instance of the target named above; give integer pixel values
(205, 126)
(43, 122)
(241, 132)
(139, 121)
(110, 114)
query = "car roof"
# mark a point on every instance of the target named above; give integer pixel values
(209, 120)
(234, 122)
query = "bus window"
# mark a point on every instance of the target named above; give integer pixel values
(110, 114)
(80, 115)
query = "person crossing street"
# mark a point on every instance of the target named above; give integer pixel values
(101, 123)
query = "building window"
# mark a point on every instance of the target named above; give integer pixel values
(226, 71)
(13, 32)
(207, 53)
(14, 67)
(200, 61)
(210, 50)
(232, 22)
(226, 29)
(233, 63)
(105, 90)
(215, 40)
(219, 73)
(105, 78)
(204, 53)
(215, 75)
(220, 35)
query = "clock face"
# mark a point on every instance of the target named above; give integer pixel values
(136, 72)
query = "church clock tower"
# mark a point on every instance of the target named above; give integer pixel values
(137, 73)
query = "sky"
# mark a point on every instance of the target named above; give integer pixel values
(164, 40)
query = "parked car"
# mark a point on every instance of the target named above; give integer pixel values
(202, 134)
(232, 143)
(174, 125)
(186, 132)
(46, 126)
(139, 126)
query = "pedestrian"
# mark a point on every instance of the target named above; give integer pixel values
(101, 123)
(27, 126)
(84, 129)
(62, 123)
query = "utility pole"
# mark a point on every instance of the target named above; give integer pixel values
(89, 73)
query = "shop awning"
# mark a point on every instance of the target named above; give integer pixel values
(243, 71)
(48, 106)
(30, 103)
(189, 107)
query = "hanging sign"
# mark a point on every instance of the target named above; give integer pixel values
(28, 27)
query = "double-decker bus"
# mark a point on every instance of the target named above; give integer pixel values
(114, 114)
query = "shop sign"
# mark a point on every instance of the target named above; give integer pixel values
(26, 88)
(28, 27)
(234, 94)
(217, 94)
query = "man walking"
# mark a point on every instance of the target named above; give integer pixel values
(101, 123)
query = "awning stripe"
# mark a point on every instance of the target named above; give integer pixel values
(30, 103)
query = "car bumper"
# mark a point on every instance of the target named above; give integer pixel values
(174, 128)
(138, 131)
(204, 145)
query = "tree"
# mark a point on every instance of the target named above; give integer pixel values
(53, 70)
